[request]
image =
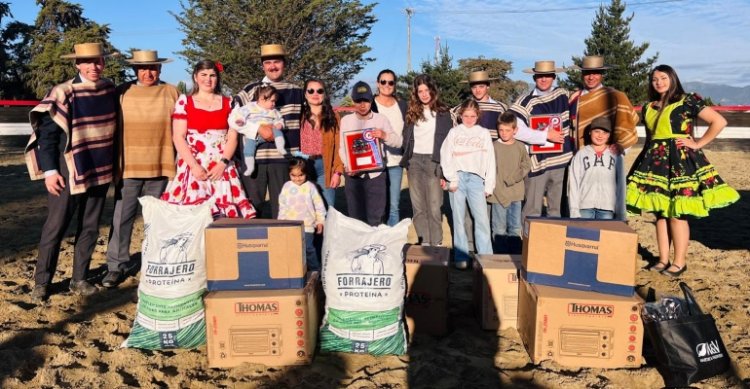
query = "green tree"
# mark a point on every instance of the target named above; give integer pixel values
(610, 37)
(503, 89)
(182, 87)
(58, 27)
(14, 56)
(447, 78)
(323, 38)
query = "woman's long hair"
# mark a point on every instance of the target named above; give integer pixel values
(327, 115)
(204, 65)
(415, 112)
(675, 91)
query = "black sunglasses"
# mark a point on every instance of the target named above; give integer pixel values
(320, 91)
(389, 82)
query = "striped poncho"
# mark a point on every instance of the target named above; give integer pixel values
(490, 109)
(608, 102)
(289, 104)
(85, 113)
(553, 103)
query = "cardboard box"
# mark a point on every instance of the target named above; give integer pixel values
(496, 290)
(580, 329)
(426, 307)
(580, 254)
(271, 327)
(255, 254)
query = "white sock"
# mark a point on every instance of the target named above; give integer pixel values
(250, 166)
(280, 145)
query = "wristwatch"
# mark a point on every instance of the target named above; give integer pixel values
(225, 161)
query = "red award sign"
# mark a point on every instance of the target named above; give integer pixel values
(362, 151)
(540, 123)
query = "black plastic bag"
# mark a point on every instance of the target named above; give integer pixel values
(688, 348)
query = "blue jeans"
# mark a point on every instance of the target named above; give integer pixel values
(470, 190)
(329, 194)
(593, 213)
(506, 227)
(310, 253)
(394, 193)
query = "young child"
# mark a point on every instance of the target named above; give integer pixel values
(299, 200)
(247, 119)
(595, 179)
(468, 162)
(512, 164)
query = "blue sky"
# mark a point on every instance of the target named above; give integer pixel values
(704, 40)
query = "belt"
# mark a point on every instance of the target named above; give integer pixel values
(314, 157)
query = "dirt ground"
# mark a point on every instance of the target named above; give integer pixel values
(73, 342)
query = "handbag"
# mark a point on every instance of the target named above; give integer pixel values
(688, 346)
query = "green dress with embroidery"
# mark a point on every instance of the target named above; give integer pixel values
(675, 181)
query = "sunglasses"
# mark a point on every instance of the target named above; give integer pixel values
(319, 91)
(389, 82)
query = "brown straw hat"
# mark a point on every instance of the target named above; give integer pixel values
(591, 62)
(147, 57)
(544, 67)
(478, 76)
(89, 50)
(273, 50)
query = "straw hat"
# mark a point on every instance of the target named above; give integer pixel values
(89, 50)
(478, 76)
(272, 51)
(544, 67)
(147, 57)
(591, 62)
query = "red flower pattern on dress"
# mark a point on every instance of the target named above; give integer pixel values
(199, 146)
(206, 141)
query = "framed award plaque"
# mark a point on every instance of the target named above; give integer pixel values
(540, 123)
(362, 151)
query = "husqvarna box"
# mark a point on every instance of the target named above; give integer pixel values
(496, 290)
(255, 254)
(426, 307)
(271, 327)
(580, 329)
(582, 254)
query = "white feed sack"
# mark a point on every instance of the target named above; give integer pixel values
(173, 276)
(363, 279)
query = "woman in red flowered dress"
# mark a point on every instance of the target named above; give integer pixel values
(205, 146)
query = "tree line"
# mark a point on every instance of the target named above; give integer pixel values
(324, 39)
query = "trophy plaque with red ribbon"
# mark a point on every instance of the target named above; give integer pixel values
(362, 151)
(540, 123)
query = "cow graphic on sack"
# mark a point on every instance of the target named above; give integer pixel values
(174, 250)
(369, 257)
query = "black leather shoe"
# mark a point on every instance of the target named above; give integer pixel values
(675, 273)
(112, 279)
(660, 267)
(38, 294)
(82, 288)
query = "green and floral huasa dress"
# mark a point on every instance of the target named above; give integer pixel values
(674, 181)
